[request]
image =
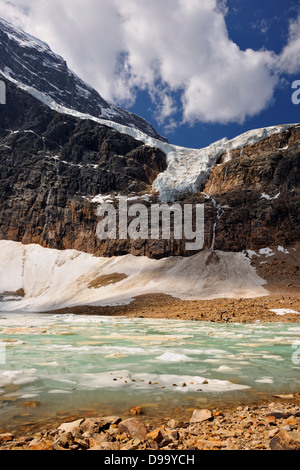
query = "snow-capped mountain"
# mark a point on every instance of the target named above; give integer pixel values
(31, 63)
(59, 159)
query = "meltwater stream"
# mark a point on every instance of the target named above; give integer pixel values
(55, 365)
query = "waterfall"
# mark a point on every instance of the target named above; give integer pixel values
(47, 212)
(219, 215)
(48, 200)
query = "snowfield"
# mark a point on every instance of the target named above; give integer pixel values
(54, 279)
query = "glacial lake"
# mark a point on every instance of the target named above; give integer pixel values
(58, 365)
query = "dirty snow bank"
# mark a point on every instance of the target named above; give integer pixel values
(54, 279)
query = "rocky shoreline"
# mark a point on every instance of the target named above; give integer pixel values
(262, 426)
(216, 310)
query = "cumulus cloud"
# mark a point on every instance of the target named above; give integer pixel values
(88, 34)
(165, 47)
(289, 59)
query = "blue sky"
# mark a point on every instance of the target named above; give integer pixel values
(198, 70)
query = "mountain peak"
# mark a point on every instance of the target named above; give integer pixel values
(24, 39)
(30, 62)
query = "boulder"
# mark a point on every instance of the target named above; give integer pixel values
(72, 427)
(96, 425)
(155, 436)
(7, 437)
(134, 427)
(285, 440)
(201, 415)
(40, 444)
(279, 414)
(65, 441)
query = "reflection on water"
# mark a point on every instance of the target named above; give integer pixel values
(52, 365)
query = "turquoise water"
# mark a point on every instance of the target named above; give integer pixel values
(54, 364)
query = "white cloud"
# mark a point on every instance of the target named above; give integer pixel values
(289, 59)
(86, 33)
(162, 46)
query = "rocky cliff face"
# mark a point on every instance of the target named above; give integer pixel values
(259, 194)
(53, 165)
(31, 62)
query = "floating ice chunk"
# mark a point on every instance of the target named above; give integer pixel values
(226, 369)
(146, 381)
(17, 377)
(124, 350)
(273, 357)
(28, 396)
(173, 357)
(265, 380)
